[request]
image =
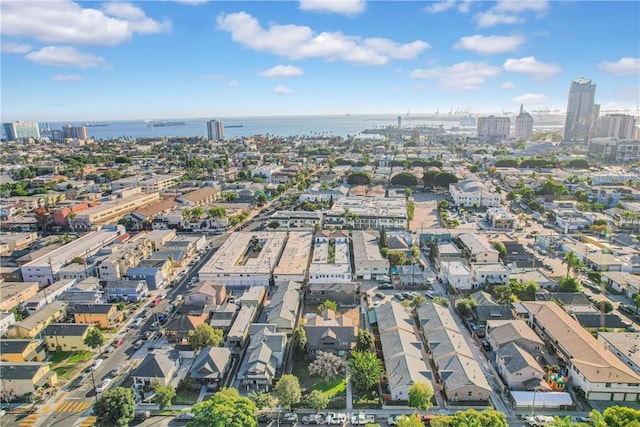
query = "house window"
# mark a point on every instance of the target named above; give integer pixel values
(607, 385)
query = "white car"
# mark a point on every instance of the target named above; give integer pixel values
(96, 364)
(377, 304)
(393, 419)
(103, 386)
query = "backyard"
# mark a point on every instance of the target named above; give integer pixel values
(335, 389)
(67, 363)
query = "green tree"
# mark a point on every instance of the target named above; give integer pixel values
(568, 284)
(471, 418)
(225, 409)
(364, 341)
(288, 390)
(406, 179)
(384, 242)
(217, 212)
(597, 419)
(261, 399)
(621, 416)
(204, 335)
(300, 338)
(359, 178)
(164, 394)
(501, 248)
(410, 421)
(122, 305)
(572, 261)
(443, 179)
(116, 407)
(328, 304)
(418, 300)
(365, 369)
(317, 400)
(420, 395)
(397, 258)
(326, 365)
(604, 305)
(465, 306)
(94, 338)
(562, 422)
(440, 300)
(637, 301)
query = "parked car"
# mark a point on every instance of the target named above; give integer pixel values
(103, 386)
(380, 295)
(96, 364)
(115, 371)
(430, 294)
(289, 417)
(310, 419)
(399, 297)
(76, 383)
(118, 342)
(337, 419)
(393, 419)
(362, 419)
(377, 304)
(141, 415)
(186, 416)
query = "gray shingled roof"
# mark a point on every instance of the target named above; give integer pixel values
(67, 329)
(210, 363)
(158, 364)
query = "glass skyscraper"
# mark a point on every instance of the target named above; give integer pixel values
(579, 110)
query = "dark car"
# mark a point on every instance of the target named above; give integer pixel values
(76, 383)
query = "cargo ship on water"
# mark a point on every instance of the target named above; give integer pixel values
(165, 124)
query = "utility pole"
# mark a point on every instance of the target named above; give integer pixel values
(93, 381)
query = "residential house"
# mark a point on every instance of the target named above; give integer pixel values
(13, 294)
(121, 257)
(127, 290)
(7, 319)
(519, 370)
(104, 315)
(472, 192)
(500, 333)
(368, 261)
(600, 261)
(623, 282)
(200, 197)
(594, 322)
(177, 329)
(22, 350)
(297, 219)
(483, 274)
(456, 274)
(402, 350)
(591, 366)
(26, 378)
(48, 294)
(34, 324)
(159, 365)
(461, 374)
(207, 293)
(477, 248)
(67, 336)
(264, 357)
(236, 338)
(499, 218)
(330, 332)
(342, 293)
(222, 316)
(155, 272)
(284, 307)
(211, 366)
(254, 295)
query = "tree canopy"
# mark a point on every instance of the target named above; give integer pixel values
(225, 409)
(204, 335)
(328, 304)
(116, 407)
(420, 395)
(365, 369)
(406, 179)
(471, 417)
(300, 338)
(288, 390)
(359, 178)
(164, 394)
(364, 341)
(317, 400)
(94, 338)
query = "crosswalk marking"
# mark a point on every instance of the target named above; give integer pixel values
(89, 422)
(73, 406)
(28, 421)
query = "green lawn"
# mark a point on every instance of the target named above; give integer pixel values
(333, 388)
(186, 397)
(70, 356)
(65, 372)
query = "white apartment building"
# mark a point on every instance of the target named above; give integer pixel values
(46, 268)
(148, 183)
(297, 219)
(493, 128)
(368, 212)
(265, 171)
(456, 274)
(472, 192)
(294, 261)
(488, 273)
(123, 256)
(245, 259)
(368, 261)
(325, 268)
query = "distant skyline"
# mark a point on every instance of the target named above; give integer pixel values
(117, 60)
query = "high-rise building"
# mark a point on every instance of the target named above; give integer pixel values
(20, 130)
(524, 125)
(79, 132)
(399, 122)
(493, 128)
(579, 110)
(621, 126)
(215, 130)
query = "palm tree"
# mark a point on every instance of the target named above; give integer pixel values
(572, 261)
(70, 217)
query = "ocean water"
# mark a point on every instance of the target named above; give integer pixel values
(277, 126)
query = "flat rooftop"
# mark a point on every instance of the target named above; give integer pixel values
(295, 256)
(247, 253)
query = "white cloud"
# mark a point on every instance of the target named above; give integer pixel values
(233, 83)
(464, 75)
(531, 98)
(443, 6)
(12, 47)
(212, 77)
(299, 42)
(192, 2)
(530, 65)
(343, 7)
(623, 67)
(67, 22)
(283, 90)
(507, 85)
(282, 71)
(488, 45)
(510, 12)
(67, 78)
(439, 7)
(65, 56)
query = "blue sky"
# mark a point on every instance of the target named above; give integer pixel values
(65, 60)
